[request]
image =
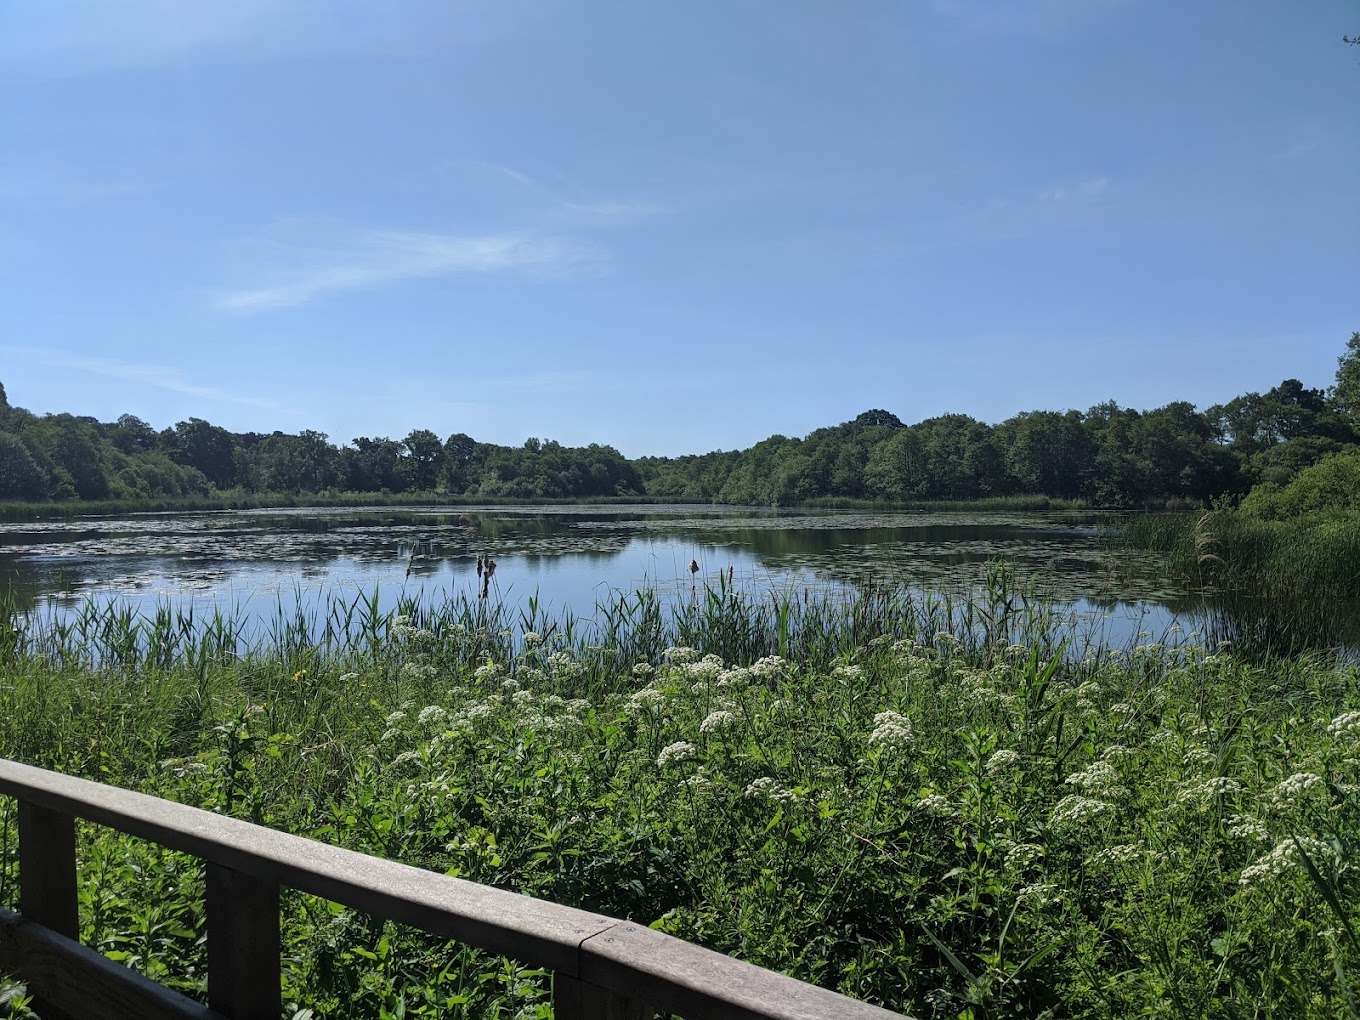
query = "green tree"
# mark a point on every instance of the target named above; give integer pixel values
(1346, 392)
(20, 476)
(424, 458)
(206, 447)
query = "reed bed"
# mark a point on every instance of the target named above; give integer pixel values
(939, 805)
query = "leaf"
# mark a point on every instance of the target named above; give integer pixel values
(954, 961)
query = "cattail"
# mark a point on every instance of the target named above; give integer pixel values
(693, 566)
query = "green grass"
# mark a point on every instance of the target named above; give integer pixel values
(939, 807)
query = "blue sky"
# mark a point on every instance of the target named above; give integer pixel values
(669, 227)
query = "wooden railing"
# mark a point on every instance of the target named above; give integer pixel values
(602, 967)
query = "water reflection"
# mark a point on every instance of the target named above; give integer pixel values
(256, 562)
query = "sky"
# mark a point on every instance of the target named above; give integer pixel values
(670, 228)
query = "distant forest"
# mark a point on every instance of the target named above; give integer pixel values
(1107, 456)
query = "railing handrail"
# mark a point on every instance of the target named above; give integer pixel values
(621, 959)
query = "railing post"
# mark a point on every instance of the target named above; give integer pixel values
(243, 945)
(47, 877)
(574, 999)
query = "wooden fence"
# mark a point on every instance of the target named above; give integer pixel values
(602, 967)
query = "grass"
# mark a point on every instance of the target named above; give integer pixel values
(938, 806)
(1280, 586)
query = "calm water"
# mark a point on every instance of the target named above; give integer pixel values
(571, 557)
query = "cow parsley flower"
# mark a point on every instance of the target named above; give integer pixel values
(892, 731)
(674, 754)
(1346, 724)
(717, 721)
(1283, 859)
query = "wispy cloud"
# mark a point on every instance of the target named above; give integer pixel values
(164, 377)
(569, 204)
(1083, 191)
(307, 272)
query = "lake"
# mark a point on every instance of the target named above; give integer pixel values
(251, 563)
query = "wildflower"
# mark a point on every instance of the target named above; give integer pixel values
(1246, 827)
(716, 721)
(299, 676)
(1021, 856)
(1045, 892)
(347, 678)
(934, 804)
(703, 670)
(510, 684)
(680, 654)
(1120, 853)
(1296, 785)
(643, 669)
(1215, 786)
(431, 715)
(522, 697)
(1346, 724)
(405, 758)
(1003, 760)
(532, 640)
(1074, 810)
(769, 666)
(395, 717)
(848, 672)
(892, 731)
(696, 782)
(769, 788)
(648, 697)
(1283, 859)
(674, 754)
(487, 671)
(1098, 777)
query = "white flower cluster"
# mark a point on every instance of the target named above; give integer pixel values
(414, 672)
(674, 754)
(1199, 757)
(1100, 777)
(532, 639)
(1347, 724)
(848, 673)
(1045, 892)
(1205, 792)
(432, 715)
(1284, 858)
(893, 731)
(1247, 827)
(705, 670)
(769, 666)
(769, 788)
(643, 669)
(1120, 853)
(1074, 810)
(487, 671)
(935, 804)
(1297, 785)
(647, 698)
(680, 654)
(739, 676)
(717, 721)
(1022, 856)
(1003, 760)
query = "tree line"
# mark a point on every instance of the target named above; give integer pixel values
(1108, 456)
